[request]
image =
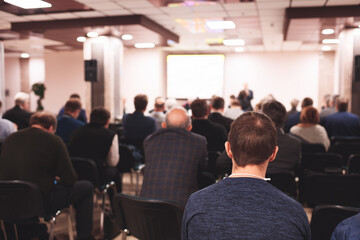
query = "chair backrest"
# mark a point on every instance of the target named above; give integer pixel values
(86, 169)
(346, 149)
(325, 218)
(148, 219)
(212, 156)
(285, 182)
(331, 189)
(20, 200)
(353, 166)
(335, 139)
(330, 163)
(127, 160)
(312, 148)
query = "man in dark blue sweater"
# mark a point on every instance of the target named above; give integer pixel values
(244, 205)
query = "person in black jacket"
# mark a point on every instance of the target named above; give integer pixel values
(19, 114)
(216, 115)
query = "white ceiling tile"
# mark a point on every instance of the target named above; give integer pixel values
(119, 12)
(161, 18)
(5, 14)
(135, 4)
(146, 11)
(307, 3)
(240, 6)
(272, 12)
(220, 14)
(309, 47)
(174, 10)
(342, 2)
(63, 15)
(15, 19)
(208, 8)
(86, 14)
(38, 17)
(4, 26)
(104, 6)
(89, 1)
(291, 45)
(240, 13)
(255, 48)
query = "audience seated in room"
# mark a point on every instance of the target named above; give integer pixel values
(295, 118)
(98, 143)
(174, 156)
(68, 122)
(158, 113)
(217, 109)
(19, 114)
(234, 111)
(6, 127)
(309, 129)
(244, 205)
(294, 103)
(342, 123)
(288, 157)
(348, 229)
(36, 155)
(330, 106)
(215, 133)
(82, 115)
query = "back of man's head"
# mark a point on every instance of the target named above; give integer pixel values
(44, 119)
(217, 103)
(275, 111)
(75, 95)
(335, 100)
(199, 108)
(140, 102)
(294, 103)
(21, 98)
(252, 139)
(177, 118)
(306, 102)
(159, 104)
(342, 104)
(72, 105)
(99, 116)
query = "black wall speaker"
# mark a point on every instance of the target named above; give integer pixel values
(357, 68)
(91, 70)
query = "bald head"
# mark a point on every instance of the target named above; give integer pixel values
(177, 118)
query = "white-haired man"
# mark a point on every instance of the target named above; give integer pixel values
(19, 114)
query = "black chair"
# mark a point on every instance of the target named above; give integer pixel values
(21, 202)
(353, 165)
(148, 219)
(329, 163)
(335, 139)
(331, 189)
(86, 169)
(325, 218)
(212, 156)
(285, 182)
(346, 149)
(312, 148)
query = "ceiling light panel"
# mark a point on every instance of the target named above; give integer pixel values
(330, 41)
(29, 4)
(215, 25)
(240, 6)
(103, 5)
(144, 45)
(234, 42)
(327, 31)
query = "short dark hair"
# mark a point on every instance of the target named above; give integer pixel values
(199, 108)
(140, 102)
(159, 103)
(99, 116)
(342, 105)
(217, 103)
(276, 111)
(252, 138)
(44, 119)
(75, 95)
(242, 94)
(306, 102)
(72, 105)
(309, 115)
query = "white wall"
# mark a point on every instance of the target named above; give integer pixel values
(12, 81)
(284, 75)
(64, 75)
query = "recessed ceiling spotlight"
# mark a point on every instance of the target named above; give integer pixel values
(327, 31)
(29, 4)
(81, 39)
(239, 49)
(233, 42)
(144, 45)
(92, 34)
(216, 25)
(24, 55)
(127, 37)
(330, 41)
(326, 48)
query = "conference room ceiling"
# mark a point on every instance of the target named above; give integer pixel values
(178, 25)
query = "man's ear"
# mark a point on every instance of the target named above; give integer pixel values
(163, 125)
(189, 128)
(228, 149)
(273, 155)
(51, 130)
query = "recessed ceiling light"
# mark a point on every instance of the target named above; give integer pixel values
(25, 55)
(92, 34)
(81, 39)
(234, 42)
(29, 4)
(329, 41)
(239, 49)
(144, 45)
(327, 31)
(127, 37)
(215, 25)
(326, 48)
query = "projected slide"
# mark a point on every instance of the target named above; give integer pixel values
(192, 76)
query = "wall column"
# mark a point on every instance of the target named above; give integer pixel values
(2, 75)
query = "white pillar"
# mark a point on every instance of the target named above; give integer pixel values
(2, 75)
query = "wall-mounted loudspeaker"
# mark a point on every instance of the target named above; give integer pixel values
(357, 68)
(91, 70)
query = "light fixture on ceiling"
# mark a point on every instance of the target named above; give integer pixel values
(326, 48)
(81, 39)
(144, 45)
(127, 37)
(29, 4)
(233, 42)
(217, 25)
(330, 41)
(92, 34)
(239, 49)
(327, 31)
(24, 55)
